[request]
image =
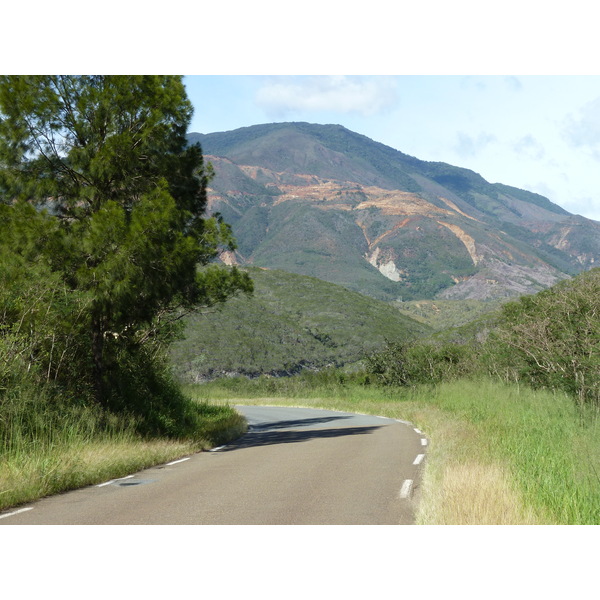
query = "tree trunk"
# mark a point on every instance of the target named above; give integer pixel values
(98, 360)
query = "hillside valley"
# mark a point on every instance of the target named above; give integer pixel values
(291, 323)
(323, 201)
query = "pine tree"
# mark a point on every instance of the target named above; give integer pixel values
(106, 161)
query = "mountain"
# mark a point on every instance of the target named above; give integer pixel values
(324, 201)
(292, 322)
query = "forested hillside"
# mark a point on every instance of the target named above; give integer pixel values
(291, 323)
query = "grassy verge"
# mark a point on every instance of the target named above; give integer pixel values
(498, 454)
(47, 448)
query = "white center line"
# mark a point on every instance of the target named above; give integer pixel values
(16, 512)
(419, 458)
(405, 489)
(177, 461)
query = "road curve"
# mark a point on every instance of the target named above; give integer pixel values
(294, 466)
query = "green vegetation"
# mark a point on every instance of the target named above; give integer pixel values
(101, 235)
(549, 340)
(552, 339)
(536, 447)
(50, 444)
(292, 322)
(443, 315)
(511, 406)
(122, 230)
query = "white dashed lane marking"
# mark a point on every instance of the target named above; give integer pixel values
(419, 458)
(218, 448)
(177, 461)
(405, 489)
(16, 512)
(113, 480)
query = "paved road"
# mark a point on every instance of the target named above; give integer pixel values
(294, 466)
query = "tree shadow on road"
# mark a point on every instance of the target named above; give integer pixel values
(267, 438)
(297, 423)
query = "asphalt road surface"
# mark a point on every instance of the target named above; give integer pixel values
(294, 466)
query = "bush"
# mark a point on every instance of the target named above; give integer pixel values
(552, 339)
(421, 362)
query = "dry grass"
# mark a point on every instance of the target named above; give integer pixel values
(47, 447)
(33, 475)
(463, 484)
(473, 493)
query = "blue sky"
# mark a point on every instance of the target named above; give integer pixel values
(510, 90)
(540, 133)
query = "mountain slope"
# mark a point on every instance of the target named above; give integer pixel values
(324, 201)
(292, 322)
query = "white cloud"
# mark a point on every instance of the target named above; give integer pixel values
(529, 147)
(469, 146)
(346, 94)
(583, 129)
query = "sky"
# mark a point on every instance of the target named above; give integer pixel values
(540, 133)
(509, 90)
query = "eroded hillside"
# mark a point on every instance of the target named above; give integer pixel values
(350, 211)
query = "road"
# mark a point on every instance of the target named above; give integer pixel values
(294, 466)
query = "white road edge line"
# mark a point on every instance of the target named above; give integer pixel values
(16, 512)
(113, 480)
(419, 432)
(218, 448)
(419, 458)
(177, 461)
(423, 442)
(405, 489)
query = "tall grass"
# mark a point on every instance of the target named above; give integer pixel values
(50, 444)
(546, 444)
(498, 454)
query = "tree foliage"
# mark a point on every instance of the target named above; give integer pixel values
(552, 339)
(119, 227)
(420, 361)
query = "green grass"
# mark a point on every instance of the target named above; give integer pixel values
(539, 442)
(48, 446)
(549, 445)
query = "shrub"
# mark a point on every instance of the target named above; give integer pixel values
(421, 362)
(552, 339)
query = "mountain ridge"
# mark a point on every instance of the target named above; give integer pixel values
(324, 201)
